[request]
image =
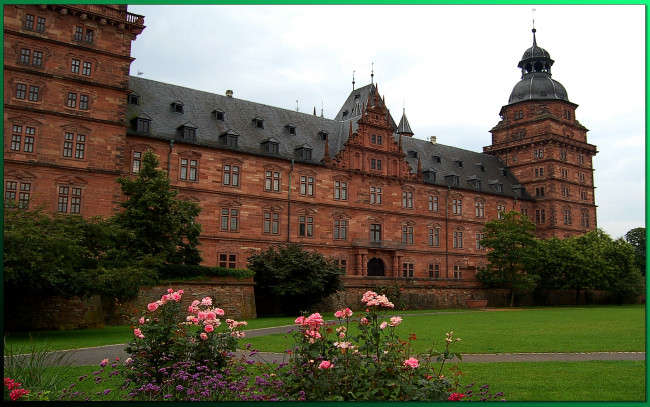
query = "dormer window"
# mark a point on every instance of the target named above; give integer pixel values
(496, 186)
(345, 114)
(142, 124)
(429, 175)
(453, 179)
(357, 96)
(134, 99)
(271, 146)
(322, 135)
(177, 107)
(229, 139)
(475, 182)
(219, 115)
(413, 154)
(259, 123)
(458, 162)
(188, 131)
(504, 171)
(436, 158)
(304, 152)
(480, 167)
(291, 128)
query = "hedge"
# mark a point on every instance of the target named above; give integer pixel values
(192, 272)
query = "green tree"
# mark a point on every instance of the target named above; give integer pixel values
(49, 254)
(637, 238)
(162, 224)
(626, 281)
(298, 279)
(511, 241)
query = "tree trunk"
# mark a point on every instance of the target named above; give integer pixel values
(512, 298)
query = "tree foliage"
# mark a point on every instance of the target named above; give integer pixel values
(511, 241)
(162, 224)
(637, 238)
(297, 278)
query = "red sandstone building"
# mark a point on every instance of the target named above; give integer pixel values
(358, 187)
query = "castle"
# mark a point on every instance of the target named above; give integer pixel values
(358, 187)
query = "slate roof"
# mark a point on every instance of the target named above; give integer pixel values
(155, 104)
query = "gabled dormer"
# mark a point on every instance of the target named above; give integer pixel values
(187, 131)
(142, 123)
(229, 138)
(304, 152)
(271, 146)
(177, 106)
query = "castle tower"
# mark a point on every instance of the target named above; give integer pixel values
(66, 78)
(543, 144)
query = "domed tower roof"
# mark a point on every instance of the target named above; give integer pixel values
(536, 82)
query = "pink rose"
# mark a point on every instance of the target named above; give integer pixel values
(210, 315)
(219, 312)
(152, 306)
(456, 396)
(325, 365)
(170, 290)
(209, 328)
(141, 320)
(138, 333)
(299, 320)
(204, 336)
(364, 321)
(206, 301)
(412, 363)
(383, 325)
(394, 321)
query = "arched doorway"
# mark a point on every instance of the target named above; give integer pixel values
(375, 267)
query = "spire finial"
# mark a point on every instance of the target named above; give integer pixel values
(352, 80)
(372, 73)
(534, 30)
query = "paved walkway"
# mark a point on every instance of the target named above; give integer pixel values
(94, 356)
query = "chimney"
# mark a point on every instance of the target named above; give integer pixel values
(432, 139)
(229, 93)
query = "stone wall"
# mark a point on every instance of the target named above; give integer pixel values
(236, 297)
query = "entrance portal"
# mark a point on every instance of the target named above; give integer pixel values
(375, 267)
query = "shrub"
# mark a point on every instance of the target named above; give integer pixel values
(184, 272)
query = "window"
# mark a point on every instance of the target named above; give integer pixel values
(341, 190)
(25, 56)
(434, 237)
(479, 238)
(87, 68)
(40, 24)
(72, 100)
(374, 139)
(220, 115)
(231, 175)
(143, 125)
(433, 203)
(272, 181)
(581, 177)
(83, 102)
(407, 269)
(134, 99)
(458, 239)
(177, 107)
(583, 194)
(480, 209)
(21, 91)
(565, 192)
(564, 172)
(375, 195)
(229, 219)
(189, 169)
(538, 153)
(271, 223)
(459, 162)
(407, 234)
(340, 229)
(11, 189)
(375, 164)
(539, 192)
(291, 129)
(567, 216)
(407, 199)
(585, 219)
(75, 66)
(342, 263)
(259, 123)
(581, 159)
(307, 185)
(228, 260)
(375, 232)
(37, 59)
(74, 142)
(434, 270)
(33, 93)
(29, 57)
(78, 33)
(22, 138)
(501, 209)
(458, 274)
(540, 216)
(69, 198)
(189, 133)
(29, 22)
(539, 172)
(89, 36)
(457, 206)
(84, 35)
(137, 162)
(519, 114)
(322, 135)
(306, 226)
(563, 155)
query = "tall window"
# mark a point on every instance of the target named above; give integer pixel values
(585, 219)
(341, 190)
(539, 192)
(480, 209)
(32, 96)
(375, 232)
(22, 138)
(87, 68)
(407, 234)
(581, 159)
(69, 200)
(86, 35)
(407, 269)
(434, 270)
(228, 260)
(375, 195)
(538, 153)
(137, 162)
(21, 91)
(40, 24)
(272, 181)
(564, 172)
(375, 164)
(567, 217)
(433, 203)
(565, 192)
(306, 225)
(271, 223)
(189, 169)
(75, 65)
(458, 239)
(231, 175)
(458, 274)
(501, 209)
(581, 177)
(583, 194)
(72, 100)
(340, 229)
(21, 189)
(457, 206)
(434, 237)
(229, 219)
(74, 144)
(29, 22)
(343, 264)
(479, 238)
(374, 139)
(540, 216)
(407, 199)
(563, 155)
(307, 185)
(539, 172)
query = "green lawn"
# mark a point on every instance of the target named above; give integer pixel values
(579, 329)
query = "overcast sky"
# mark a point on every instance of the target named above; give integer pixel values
(451, 67)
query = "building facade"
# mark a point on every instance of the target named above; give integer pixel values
(359, 187)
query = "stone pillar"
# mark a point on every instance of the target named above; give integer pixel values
(364, 264)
